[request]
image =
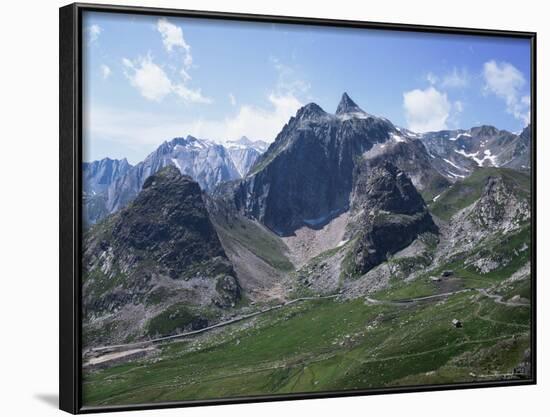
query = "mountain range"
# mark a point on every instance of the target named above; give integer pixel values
(312, 143)
(110, 185)
(342, 204)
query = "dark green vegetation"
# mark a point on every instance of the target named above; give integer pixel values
(177, 317)
(464, 193)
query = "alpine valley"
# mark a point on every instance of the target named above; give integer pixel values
(350, 253)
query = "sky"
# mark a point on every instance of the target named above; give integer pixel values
(148, 79)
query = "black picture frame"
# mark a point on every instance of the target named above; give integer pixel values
(70, 183)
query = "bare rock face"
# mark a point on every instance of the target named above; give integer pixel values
(306, 175)
(500, 213)
(159, 251)
(228, 289)
(499, 206)
(389, 214)
(383, 186)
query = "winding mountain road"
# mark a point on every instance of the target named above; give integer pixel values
(414, 300)
(103, 354)
(205, 329)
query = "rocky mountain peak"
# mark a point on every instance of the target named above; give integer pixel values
(347, 105)
(247, 144)
(485, 130)
(168, 223)
(244, 141)
(188, 141)
(168, 174)
(310, 111)
(526, 132)
(162, 247)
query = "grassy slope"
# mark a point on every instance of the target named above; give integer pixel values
(464, 193)
(265, 245)
(328, 345)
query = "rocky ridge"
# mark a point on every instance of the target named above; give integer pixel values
(160, 251)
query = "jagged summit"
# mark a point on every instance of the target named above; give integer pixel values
(525, 133)
(347, 105)
(244, 142)
(190, 141)
(309, 111)
(485, 130)
(347, 109)
(166, 175)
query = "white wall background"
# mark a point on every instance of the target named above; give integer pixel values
(29, 205)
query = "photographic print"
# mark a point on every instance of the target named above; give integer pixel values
(272, 209)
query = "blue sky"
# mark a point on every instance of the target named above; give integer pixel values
(148, 79)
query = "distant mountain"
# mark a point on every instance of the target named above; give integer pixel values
(206, 162)
(110, 187)
(245, 152)
(457, 153)
(521, 151)
(244, 142)
(161, 253)
(97, 177)
(306, 175)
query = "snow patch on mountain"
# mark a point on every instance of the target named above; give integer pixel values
(455, 165)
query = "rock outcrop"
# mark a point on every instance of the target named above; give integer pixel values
(160, 250)
(388, 215)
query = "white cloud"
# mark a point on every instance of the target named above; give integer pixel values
(93, 32)
(453, 79)
(426, 110)
(150, 79)
(432, 78)
(189, 95)
(185, 75)
(507, 82)
(261, 123)
(459, 106)
(105, 71)
(154, 84)
(456, 79)
(288, 81)
(172, 38)
(144, 131)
